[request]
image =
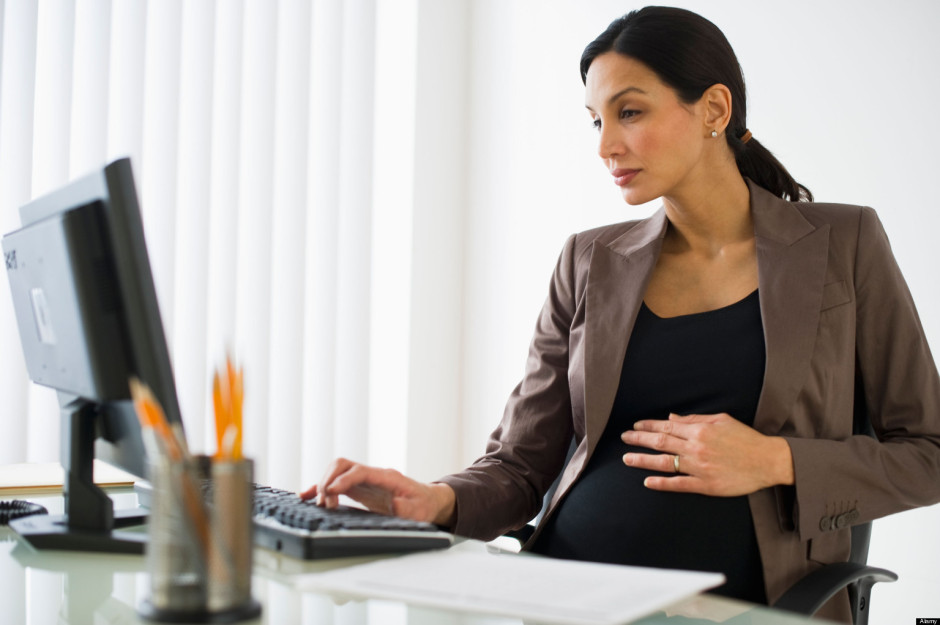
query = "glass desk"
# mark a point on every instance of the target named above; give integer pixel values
(56, 587)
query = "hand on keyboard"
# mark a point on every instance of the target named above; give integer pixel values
(385, 491)
(286, 523)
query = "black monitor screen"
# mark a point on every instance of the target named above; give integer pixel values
(88, 320)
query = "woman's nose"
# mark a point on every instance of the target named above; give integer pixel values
(609, 142)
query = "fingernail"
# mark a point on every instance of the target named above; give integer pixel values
(628, 459)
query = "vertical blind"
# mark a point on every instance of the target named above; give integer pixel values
(253, 128)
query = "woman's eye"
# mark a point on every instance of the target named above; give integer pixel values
(624, 114)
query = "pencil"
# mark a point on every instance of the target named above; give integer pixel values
(153, 418)
(228, 400)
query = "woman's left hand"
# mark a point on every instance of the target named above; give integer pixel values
(718, 455)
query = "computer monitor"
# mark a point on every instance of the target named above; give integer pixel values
(88, 320)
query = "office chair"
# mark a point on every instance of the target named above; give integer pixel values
(811, 592)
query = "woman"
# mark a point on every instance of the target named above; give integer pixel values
(708, 362)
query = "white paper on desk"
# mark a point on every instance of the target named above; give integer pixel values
(532, 588)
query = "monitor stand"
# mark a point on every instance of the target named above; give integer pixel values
(90, 522)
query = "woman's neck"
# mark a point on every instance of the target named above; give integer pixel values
(707, 216)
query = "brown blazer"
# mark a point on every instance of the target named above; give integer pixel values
(837, 317)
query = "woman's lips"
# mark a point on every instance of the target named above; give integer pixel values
(622, 177)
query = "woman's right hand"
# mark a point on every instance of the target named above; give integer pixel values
(385, 491)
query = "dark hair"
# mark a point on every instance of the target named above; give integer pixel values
(690, 54)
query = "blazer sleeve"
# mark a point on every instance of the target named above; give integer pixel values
(840, 483)
(504, 488)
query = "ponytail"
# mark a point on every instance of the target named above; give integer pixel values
(762, 167)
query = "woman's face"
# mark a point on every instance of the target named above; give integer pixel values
(651, 142)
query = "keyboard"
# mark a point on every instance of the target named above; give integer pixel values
(301, 529)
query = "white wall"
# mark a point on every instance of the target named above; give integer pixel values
(844, 93)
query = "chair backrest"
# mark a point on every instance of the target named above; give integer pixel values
(861, 425)
(860, 591)
(861, 537)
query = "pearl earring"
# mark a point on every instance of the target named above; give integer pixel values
(714, 133)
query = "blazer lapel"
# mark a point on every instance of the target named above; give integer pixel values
(792, 256)
(616, 282)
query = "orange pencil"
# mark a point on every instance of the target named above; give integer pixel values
(152, 417)
(228, 402)
(222, 419)
(238, 399)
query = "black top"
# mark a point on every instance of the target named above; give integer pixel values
(703, 363)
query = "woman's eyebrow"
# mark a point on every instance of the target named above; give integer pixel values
(617, 95)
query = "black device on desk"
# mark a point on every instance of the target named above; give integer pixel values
(302, 529)
(88, 320)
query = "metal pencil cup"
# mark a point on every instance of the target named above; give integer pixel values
(200, 546)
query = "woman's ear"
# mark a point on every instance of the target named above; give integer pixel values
(717, 107)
